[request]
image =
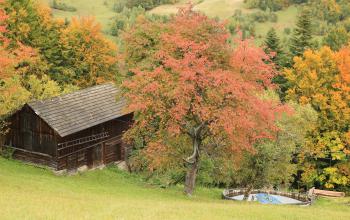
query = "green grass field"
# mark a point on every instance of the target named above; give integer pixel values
(27, 192)
(102, 10)
(213, 8)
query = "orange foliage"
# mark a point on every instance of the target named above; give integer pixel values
(343, 60)
(90, 53)
(10, 58)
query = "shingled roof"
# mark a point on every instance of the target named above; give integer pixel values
(80, 110)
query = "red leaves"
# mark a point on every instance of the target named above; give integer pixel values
(196, 78)
(251, 61)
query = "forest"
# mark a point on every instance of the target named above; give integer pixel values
(217, 102)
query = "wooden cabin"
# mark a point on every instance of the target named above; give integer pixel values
(70, 131)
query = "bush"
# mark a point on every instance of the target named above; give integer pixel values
(273, 17)
(119, 6)
(287, 31)
(260, 16)
(7, 152)
(125, 19)
(263, 16)
(62, 6)
(346, 24)
(148, 4)
(273, 5)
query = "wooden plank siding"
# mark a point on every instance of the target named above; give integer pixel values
(73, 130)
(31, 133)
(44, 148)
(100, 148)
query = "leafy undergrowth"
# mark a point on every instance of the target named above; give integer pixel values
(27, 192)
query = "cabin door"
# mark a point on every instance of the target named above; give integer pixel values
(72, 162)
(112, 152)
(94, 156)
(26, 131)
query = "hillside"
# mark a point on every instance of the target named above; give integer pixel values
(102, 10)
(36, 193)
(213, 8)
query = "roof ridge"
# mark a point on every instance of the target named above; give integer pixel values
(74, 93)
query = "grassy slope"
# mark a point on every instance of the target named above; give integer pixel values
(33, 193)
(223, 9)
(96, 8)
(213, 8)
(286, 19)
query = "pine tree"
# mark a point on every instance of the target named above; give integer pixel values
(272, 45)
(302, 35)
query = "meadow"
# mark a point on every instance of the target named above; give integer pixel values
(28, 192)
(102, 10)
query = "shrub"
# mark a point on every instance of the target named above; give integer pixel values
(119, 6)
(273, 17)
(260, 16)
(62, 6)
(346, 24)
(263, 16)
(148, 4)
(6, 152)
(287, 31)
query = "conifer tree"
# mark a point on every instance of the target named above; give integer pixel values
(302, 35)
(273, 46)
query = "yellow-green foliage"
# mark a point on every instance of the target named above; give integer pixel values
(12, 96)
(322, 79)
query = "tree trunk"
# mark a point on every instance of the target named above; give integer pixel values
(191, 175)
(193, 162)
(2, 141)
(247, 192)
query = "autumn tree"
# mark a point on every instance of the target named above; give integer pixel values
(75, 53)
(336, 38)
(322, 79)
(272, 162)
(88, 58)
(202, 92)
(20, 80)
(327, 10)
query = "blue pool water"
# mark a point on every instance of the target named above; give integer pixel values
(265, 198)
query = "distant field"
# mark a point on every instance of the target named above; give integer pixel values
(213, 8)
(223, 9)
(286, 19)
(102, 10)
(35, 193)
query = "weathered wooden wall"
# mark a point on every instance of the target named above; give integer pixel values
(37, 142)
(29, 132)
(104, 150)
(34, 141)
